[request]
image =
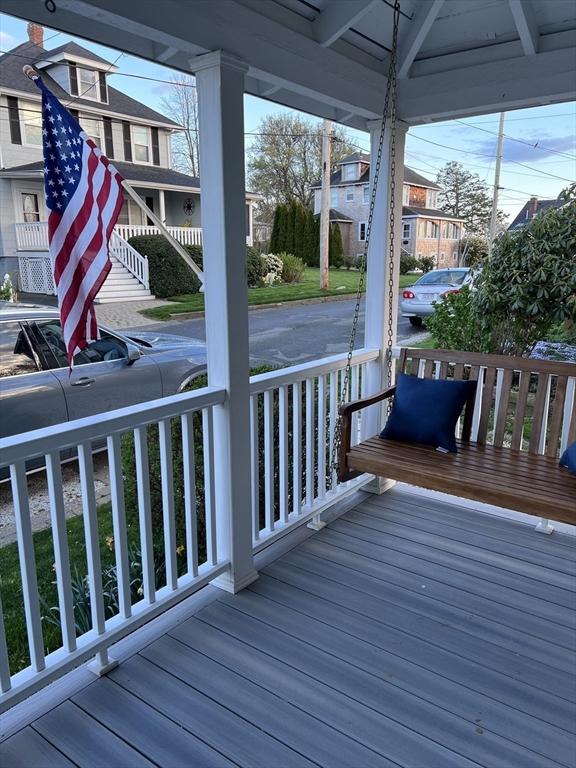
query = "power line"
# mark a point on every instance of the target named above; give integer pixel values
(483, 154)
(520, 141)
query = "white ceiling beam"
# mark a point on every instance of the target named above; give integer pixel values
(525, 21)
(491, 87)
(167, 53)
(337, 18)
(412, 42)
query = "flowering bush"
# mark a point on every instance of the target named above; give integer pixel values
(7, 292)
(273, 266)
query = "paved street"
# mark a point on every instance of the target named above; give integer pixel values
(293, 334)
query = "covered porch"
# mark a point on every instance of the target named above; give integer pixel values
(413, 630)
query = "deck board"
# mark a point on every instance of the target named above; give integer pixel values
(409, 632)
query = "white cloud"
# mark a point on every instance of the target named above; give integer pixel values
(6, 39)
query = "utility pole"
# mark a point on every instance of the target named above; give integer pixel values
(493, 218)
(325, 205)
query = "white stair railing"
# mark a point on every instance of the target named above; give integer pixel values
(135, 262)
(184, 235)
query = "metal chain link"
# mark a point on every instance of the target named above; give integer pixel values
(389, 110)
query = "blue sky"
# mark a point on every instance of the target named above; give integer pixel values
(539, 156)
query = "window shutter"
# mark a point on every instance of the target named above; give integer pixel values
(127, 141)
(108, 142)
(103, 86)
(155, 147)
(75, 115)
(73, 79)
(14, 119)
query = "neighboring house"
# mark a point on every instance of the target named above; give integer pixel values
(532, 208)
(135, 137)
(426, 231)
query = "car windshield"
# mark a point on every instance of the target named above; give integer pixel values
(444, 277)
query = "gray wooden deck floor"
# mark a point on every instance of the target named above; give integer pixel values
(410, 632)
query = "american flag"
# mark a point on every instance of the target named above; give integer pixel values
(84, 196)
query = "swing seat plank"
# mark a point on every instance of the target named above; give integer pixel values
(509, 439)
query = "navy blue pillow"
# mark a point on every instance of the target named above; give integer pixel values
(568, 459)
(425, 411)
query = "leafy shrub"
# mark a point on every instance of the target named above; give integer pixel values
(527, 285)
(349, 261)
(408, 263)
(426, 263)
(169, 273)
(473, 250)
(335, 247)
(255, 268)
(7, 291)
(455, 323)
(273, 266)
(292, 268)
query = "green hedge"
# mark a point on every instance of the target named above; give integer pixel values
(169, 273)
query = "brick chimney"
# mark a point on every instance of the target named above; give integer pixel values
(533, 206)
(36, 34)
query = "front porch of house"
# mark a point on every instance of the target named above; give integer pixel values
(413, 630)
(410, 631)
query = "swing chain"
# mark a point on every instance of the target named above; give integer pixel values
(390, 97)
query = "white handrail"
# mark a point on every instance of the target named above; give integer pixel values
(136, 263)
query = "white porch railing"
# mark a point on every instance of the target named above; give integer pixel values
(293, 414)
(135, 262)
(182, 426)
(32, 236)
(185, 235)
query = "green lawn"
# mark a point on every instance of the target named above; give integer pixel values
(342, 282)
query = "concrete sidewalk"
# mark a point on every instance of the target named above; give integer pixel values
(126, 314)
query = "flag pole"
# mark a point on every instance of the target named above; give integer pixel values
(164, 230)
(31, 74)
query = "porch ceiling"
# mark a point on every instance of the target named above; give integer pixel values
(330, 58)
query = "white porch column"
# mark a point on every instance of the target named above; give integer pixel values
(220, 84)
(161, 206)
(377, 302)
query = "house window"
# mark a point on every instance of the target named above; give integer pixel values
(30, 207)
(141, 141)
(93, 128)
(31, 119)
(131, 213)
(406, 231)
(334, 197)
(349, 194)
(349, 171)
(442, 258)
(431, 198)
(430, 229)
(366, 193)
(405, 195)
(87, 83)
(362, 231)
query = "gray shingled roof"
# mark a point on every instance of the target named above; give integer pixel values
(356, 157)
(77, 50)
(410, 177)
(521, 220)
(337, 216)
(131, 172)
(12, 77)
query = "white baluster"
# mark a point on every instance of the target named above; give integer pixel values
(190, 509)
(297, 448)
(144, 513)
(269, 459)
(210, 510)
(309, 442)
(255, 467)
(283, 452)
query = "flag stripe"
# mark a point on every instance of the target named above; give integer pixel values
(84, 195)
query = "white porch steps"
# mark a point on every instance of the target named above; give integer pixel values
(121, 285)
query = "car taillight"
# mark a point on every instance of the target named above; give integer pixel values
(408, 295)
(455, 290)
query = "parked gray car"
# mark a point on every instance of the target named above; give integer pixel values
(118, 370)
(417, 300)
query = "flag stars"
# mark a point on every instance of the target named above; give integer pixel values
(71, 179)
(76, 167)
(59, 118)
(65, 193)
(58, 205)
(61, 182)
(67, 169)
(51, 119)
(54, 131)
(58, 144)
(68, 143)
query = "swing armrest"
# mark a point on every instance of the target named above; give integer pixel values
(346, 412)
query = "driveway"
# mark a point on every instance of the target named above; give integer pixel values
(293, 334)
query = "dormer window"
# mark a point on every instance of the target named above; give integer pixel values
(93, 127)
(350, 171)
(87, 83)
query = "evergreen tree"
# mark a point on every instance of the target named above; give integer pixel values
(465, 195)
(283, 225)
(336, 248)
(274, 237)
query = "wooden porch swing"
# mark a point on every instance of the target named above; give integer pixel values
(518, 468)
